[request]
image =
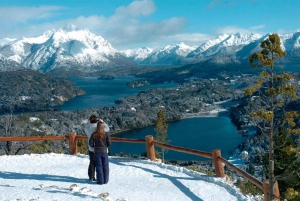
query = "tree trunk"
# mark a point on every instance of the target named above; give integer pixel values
(271, 140)
(8, 147)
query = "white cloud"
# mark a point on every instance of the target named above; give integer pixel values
(136, 9)
(235, 29)
(189, 39)
(194, 37)
(10, 15)
(133, 31)
(128, 26)
(257, 27)
(283, 31)
(227, 3)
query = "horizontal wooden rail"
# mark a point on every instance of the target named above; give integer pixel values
(242, 173)
(81, 137)
(38, 138)
(115, 139)
(184, 150)
(34, 138)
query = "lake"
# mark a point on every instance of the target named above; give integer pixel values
(101, 93)
(205, 133)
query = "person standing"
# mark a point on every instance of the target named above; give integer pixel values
(89, 130)
(101, 140)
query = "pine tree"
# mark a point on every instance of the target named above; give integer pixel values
(286, 165)
(161, 129)
(274, 90)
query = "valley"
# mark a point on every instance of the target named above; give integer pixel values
(221, 74)
(210, 81)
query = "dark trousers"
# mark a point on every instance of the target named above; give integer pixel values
(102, 169)
(92, 166)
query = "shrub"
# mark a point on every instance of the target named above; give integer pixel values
(248, 188)
(194, 168)
(40, 148)
(82, 147)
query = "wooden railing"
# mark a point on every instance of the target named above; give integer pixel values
(218, 161)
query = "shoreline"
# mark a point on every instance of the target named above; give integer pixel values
(210, 114)
(223, 113)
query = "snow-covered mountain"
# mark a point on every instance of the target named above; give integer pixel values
(138, 54)
(8, 65)
(73, 49)
(222, 49)
(235, 48)
(291, 44)
(68, 48)
(169, 55)
(223, 46)
(6, 41)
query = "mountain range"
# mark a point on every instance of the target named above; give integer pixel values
(73, 49)
(224, 49)
(68, 48)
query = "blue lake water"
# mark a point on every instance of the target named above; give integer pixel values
(292, 68)
(203, 133)
(101, 93)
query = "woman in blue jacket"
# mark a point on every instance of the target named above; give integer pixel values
(101, 140)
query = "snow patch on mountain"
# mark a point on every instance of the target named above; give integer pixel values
(8, 65)
(223, 45)
(171, 55)
(207, 45)
(138, 54)
(6, 41)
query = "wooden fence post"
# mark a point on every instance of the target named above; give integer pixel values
(219, 169)
(150, 147)
(72, 143)
(266, 191)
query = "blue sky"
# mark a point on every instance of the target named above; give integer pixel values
(152, 23)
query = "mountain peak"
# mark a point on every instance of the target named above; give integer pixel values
(181, 45)
(70, 27)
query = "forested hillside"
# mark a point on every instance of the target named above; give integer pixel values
(28, 90)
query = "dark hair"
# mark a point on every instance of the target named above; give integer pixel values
(93, 119)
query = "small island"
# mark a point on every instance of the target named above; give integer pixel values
(106, 77)
(138, 83)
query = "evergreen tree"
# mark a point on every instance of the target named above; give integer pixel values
(286, 165)
(274, 90)
(161, 129)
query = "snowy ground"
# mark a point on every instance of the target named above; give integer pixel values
(64, 177)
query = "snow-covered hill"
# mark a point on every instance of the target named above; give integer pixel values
(8, 65)
(68, 47)
(64, 177)
(138, 54)
(169, 55)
